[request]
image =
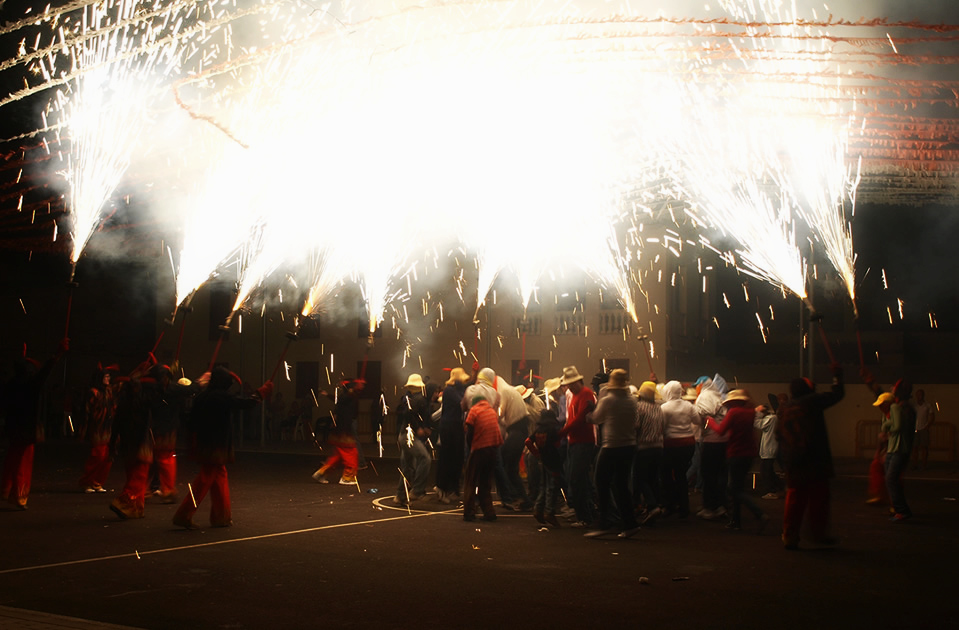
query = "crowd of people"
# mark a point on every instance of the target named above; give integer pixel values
(134, 419)
(609, 457)
(612, 457)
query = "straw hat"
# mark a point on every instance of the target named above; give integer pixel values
(689, 394)
(551, 385)
(737, 394)
(415, 381)
(884, 398)
(618, 379)
(570, 375)
(524, 391)
(458, 375)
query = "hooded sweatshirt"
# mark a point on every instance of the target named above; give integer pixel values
(679, 416)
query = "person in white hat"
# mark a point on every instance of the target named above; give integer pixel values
(616, 413)
(741, 450)
(581, 452)
(413, 422)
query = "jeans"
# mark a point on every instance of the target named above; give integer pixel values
(512, 451)
(738, 470)
(579, 462)
(547, 495)
(767, 473)
(675, 489)
(896, 464)
(714, 474)
(646, 465)
(613, 467)
(477, 489)
(415, 465)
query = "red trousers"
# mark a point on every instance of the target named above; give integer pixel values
(345, 452)
(17, 474)
(212, 478)
(166, 468)
(814, 495)
(133, 496)
(98, 466)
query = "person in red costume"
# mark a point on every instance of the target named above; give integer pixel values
(213, 434)
(20, 401)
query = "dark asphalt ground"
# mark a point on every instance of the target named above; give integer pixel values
(305, 555)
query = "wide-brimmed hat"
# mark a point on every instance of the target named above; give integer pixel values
(570, 375)
(618, 379)
(458, 375)
(689, 394)
(551, 385)
(884, 398)
(737, 394)
(524, 391)
(415, 380)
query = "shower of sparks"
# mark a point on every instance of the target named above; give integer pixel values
(292, 141)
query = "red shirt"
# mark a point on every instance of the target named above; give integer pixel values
(485, 423)
(577, 429)
(738, 424)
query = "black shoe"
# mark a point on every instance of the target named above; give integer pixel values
(551, 519)
(539, 517)
(733, 526)
(489, 517)
(469, 517)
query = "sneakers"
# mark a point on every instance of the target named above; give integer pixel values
(89, 490)
(318, 476)
(347, 482)
(489, 517)
(899, 517)
(706, 514)
(629, 533)
(540, 518)
(99, 488)
(551, 519)
(873, 500)
(579, 524)
(770, 495)
(733, 525)
(721, 510)
(598, 533)
(651, 516)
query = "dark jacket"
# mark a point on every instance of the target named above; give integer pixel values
(803, 439)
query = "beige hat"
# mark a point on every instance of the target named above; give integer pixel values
(570, 375)
(647, 390)
(689, 394)
(884, 398)
(458, 375)
(524, 391)
(415, 380)
(618, 379)
(551, 385)
(737, 394)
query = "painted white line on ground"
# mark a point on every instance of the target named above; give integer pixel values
(140, 554)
